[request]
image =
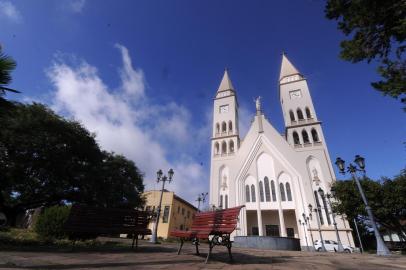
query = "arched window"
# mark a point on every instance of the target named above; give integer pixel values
(273, 190)
(226, 201)
(261, 191)
(217, 128)
(299, 114)
(308, 115)
(296, 138)
(292, 115)
(320, 214)
(216, 148)
(247, 193)
(230, 126)
(224, 148)
(231, 146)
(223, 127)
(288, 192)
(253, 199)
(221, 202)
(326, 209)
(267, 192)
(315, 136)
(283, 197)
(305, 136)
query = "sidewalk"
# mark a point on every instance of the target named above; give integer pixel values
(163, 256)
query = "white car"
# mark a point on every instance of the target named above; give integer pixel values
(331, 246)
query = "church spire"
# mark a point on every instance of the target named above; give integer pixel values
(225, 83)
(287, 69)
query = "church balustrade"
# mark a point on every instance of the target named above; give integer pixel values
(308, 144)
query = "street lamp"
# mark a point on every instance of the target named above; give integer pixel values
(381, 248)
(304, 231)
(201, 198)
(307, 221)
(340, 247)
(160, 178)
(316, 210)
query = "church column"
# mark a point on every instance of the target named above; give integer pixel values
(259, 212)
(280, 210)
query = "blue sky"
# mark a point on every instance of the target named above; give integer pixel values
(142, 75)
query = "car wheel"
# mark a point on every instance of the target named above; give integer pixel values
(347, 250)
(319, 249)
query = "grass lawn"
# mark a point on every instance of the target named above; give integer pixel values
(28, 240)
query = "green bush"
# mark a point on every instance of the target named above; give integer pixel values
(50, 223)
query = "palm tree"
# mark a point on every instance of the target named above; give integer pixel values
(7, 65)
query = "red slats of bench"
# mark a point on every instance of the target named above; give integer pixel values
(212, 222)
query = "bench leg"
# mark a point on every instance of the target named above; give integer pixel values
(197, 246)
(229, 252)
(211, 245)
(181, 245)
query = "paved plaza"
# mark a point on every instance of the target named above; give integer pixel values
(163, 256)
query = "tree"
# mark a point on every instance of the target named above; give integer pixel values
(47, 160)
(377, 30)
(7, 65)
(386, 198)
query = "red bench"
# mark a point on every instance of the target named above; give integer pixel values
(215, 226)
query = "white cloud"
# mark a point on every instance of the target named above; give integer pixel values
(127, 122)
(9, 11)
(77, 5)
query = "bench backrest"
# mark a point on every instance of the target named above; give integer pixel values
(219, 221)
(105, 220)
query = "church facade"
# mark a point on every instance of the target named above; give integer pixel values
(276, 176)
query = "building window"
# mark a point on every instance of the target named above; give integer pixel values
(247, 193)
(305, 136)
(288, 192)
(292, 116)
(166, 214)
(217, 128)
(261, 191)
(273, 190)
(183, 211)
(181, 227)
(253, 199)
(299, 114)
(272, 230)
(221, 202)
(296, 139)
(255, 231)
(308, 115)
(230, 126)
(231, 146)
(326, 210)
(226, 201)
(318, 207)
(224, 148)
(178, 209)
(188, 214)
(223, 127)
(290, 232)
(283, 197)
(216, 148)
(315, 136)
(267, 192)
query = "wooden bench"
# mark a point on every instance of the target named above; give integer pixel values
(214, 226)
(87, 220)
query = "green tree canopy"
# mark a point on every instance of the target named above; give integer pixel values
(47, 160)
(376, 30)
(7, 65)
(386, 198)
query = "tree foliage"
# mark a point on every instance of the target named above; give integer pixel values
(47, 160)
(7, 65)
(386, 198)
(377, 30)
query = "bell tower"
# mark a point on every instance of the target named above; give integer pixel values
(302, 128)
(225, 141)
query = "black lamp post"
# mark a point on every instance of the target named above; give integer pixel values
(340, 247)
(304, 231)
(201, 198)
(160, 178)
(381, 248)
(307, 221)
(316, 210)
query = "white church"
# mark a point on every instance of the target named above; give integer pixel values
(276, 176)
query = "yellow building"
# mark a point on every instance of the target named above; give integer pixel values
(176, 213)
